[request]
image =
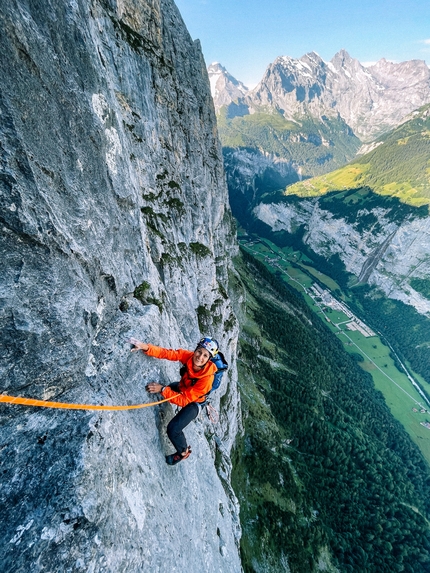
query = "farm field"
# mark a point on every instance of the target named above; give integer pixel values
(405, 402)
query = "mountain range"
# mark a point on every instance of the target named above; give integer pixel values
(371, 100)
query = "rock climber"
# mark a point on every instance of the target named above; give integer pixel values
(197, 375)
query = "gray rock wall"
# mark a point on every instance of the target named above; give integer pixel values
(387, 255)
(111, 178)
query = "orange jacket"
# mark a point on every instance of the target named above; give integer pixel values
(194, 385)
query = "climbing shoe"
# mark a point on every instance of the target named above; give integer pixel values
(174, 459)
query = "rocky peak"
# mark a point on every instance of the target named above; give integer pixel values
(224, 87)
(309, 69)
(371, 100)
(342, 59)
(342, 65)
(292, 85)
(312, 59)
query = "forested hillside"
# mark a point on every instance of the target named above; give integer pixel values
(312, 146)
(398, 166)
(326, 478)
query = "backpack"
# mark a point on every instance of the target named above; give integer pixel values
(221, 364)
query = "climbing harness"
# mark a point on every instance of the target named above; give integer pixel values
(5, 399)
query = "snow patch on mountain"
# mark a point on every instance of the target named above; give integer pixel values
(371, 100)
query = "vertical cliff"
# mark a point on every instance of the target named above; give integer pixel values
(384, 246)
(115, 222)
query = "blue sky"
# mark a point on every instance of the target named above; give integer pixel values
(246, 35)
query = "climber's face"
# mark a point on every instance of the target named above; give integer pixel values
(200, 357)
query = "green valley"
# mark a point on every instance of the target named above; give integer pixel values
(404, 400)
(326, 478)
(314, 146)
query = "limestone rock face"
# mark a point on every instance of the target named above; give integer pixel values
(388, 255)
(111, 185)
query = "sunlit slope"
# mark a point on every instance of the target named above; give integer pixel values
(399, 166)
(311, 145)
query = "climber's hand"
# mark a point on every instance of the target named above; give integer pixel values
(137, 345)
(154, 388)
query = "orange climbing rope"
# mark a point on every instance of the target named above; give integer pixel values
(46, 404)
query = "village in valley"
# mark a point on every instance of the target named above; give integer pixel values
(326, 298)
(323, 298)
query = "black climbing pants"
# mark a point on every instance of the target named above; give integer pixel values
(179, 422)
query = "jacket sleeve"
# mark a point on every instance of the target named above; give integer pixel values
(191, 394)
(179, 355)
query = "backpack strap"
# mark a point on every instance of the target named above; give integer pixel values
(221, 365)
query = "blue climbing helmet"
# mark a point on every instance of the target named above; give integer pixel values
(209, 344)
